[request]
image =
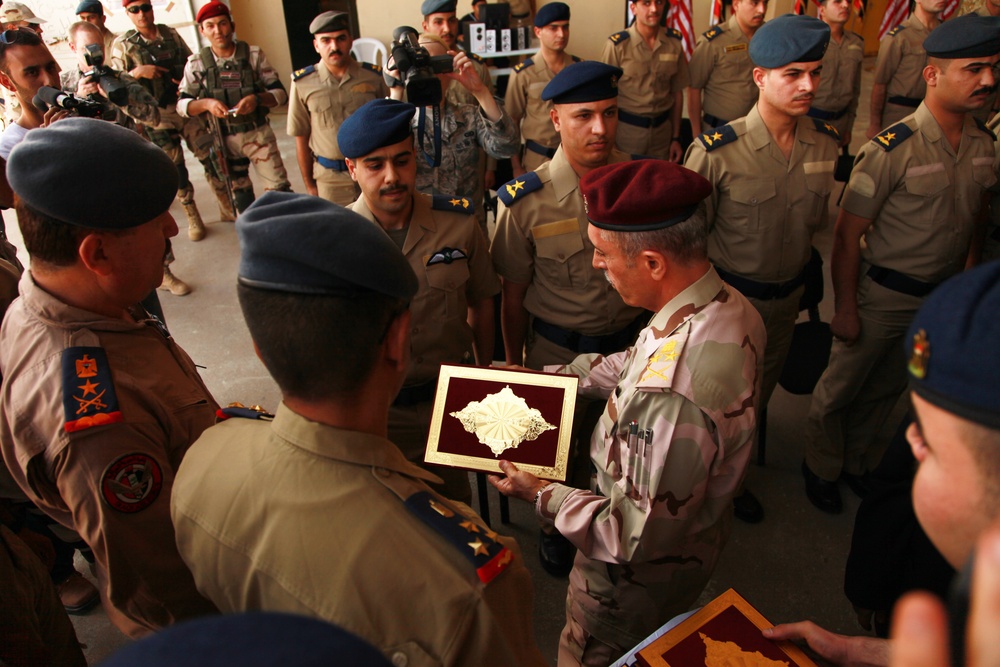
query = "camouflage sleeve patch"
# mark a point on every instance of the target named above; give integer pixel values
(893, 136)
(519, 187)
(305, 71)
(89, 397)
(985, 128)
(132, 482)
(895, 31)
(712, 33)
(372, 68)
(675, 33)
(528, 62)
(453, 204)
(478, 544)
(720, 136)
(619, 37)
(825, 128)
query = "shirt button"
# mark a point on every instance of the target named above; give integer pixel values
(399, 659)
(753, 200)
(561, 256)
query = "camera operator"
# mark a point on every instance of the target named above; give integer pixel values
(448, 135)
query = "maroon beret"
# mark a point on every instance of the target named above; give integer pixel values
(641, 195)
(211, 10)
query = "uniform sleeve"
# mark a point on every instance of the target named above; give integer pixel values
(182, 46)
(516, 101)
(698, 160)
(852, 108)
(118, 58)
(683, 77)
(298, 114)
(889, 56)
(269, 80)
(513, 253)
(871, 183)
(142, 106)
(501, 139)
(598, 374)
(190, 86)
(700, 66)
(483, 282)
(609, 54)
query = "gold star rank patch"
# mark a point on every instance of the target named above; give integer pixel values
(89, 397)
(719, 137)
(892, 136)
(518, 188)
(451, 203)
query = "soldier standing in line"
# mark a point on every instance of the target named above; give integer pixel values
(321, 98)
(234, 82)
(651, 92)
(524, 89)
(722, 86)
(836, 100)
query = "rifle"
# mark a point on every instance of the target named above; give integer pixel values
(217, 154)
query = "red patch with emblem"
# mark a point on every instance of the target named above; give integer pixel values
(132, 482)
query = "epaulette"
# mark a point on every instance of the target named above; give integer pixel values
(478, 544)
(473, 56)
(895, 31)
(619, 37)
(985, 128)
(453, 204)
(712, 33)
(305, 71)
(825, 128)
(372, 68)
(675, 33)
(243, 412)
(519, 187)
(893, 136)
(89, 397)
(577, 59)
(720, 136)
(527, 62)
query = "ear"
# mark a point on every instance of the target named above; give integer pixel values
(655, 263)
(554, 115)
(351, 168)
(759, 74)
(6, 82)
(93, 252)
(397, 341)
(930, 75)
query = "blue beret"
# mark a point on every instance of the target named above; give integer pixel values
(438, 7)
(306, 245)
(968, 36)
(376, 124)
(789, 38)
(951, 346)
(255, 639)
(65, 171)
(554, 11)
(91, 6)
(585, 81)
(330, 22)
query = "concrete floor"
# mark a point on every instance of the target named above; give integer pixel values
(790, 566)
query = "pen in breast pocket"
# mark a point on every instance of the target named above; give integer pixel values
(633, 446)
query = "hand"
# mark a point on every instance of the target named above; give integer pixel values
(312, 189)
(845, 138)
(873, 131)
(465, 73)
(55, 114)
(517, 483)
(676, 152)
(846, 326)
(149, 72)
(215, 107)
(837, 649)
(246, 105)
(87, 86)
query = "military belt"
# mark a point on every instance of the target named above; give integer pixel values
(900, 282)
(335, 165)
(912, 102)
(827, 115)
(643, 121)
(714, 121)
(581, 344)
(536, 147)
(418, 393)
(754, 289)
(237, 127)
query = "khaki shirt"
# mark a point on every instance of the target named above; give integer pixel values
(840, 82)
(524, 100)
(318, 103)
(650, 77)
(541, 241)
(721, 67)
(900, 65)
(922, 198)
(650, 533)
(110, 481)
(300, 517)
(764, 209)
(441, 333)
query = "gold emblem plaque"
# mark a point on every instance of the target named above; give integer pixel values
(484, 415)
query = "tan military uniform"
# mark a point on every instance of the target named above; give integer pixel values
(296, 516)
(721, 68)
(317, 104)
(141, 106)
(836, 100)
(450, 256)
(530, 112)
(924, 201)
(651, 530)
(900, 65)
(541, 241)
(95, 416)
(762, 214)
(650, 79)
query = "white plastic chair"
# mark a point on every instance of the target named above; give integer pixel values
(369, 50)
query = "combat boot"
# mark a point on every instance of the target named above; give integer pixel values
(173, 284)
(226, 212)
(196, 228)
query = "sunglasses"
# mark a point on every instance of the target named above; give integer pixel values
(140, 8)
(18, 36)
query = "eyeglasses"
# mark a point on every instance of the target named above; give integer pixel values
(140, 8)
(19, 36)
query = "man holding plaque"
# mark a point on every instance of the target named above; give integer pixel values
(673, 443)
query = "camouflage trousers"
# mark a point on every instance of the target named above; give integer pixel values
(579, 648)
(167, 135)
(260, 147)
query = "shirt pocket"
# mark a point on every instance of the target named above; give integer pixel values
(447, 286)
(361, 94)
(321, 111)
(750, 194)
(982, 172)
(926, 180)
(665, 68)
(819, 183)
(559, 249)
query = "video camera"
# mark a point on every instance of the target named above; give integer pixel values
(418, 68)
(104, 76)
(53, 97)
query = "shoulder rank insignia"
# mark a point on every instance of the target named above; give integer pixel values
(526, 63)
(478, 544)
(89, 397)
(985, 128)
(619, 37)
(447, 256)
(132, 482)
(675, 33)
(371, 68)
(892, 137)
(720, 136)
(243, 412)
(825, 128)
(519, 187)
(305, 71)
(473, 56)
(895, 31)
(454, 204)
(712, 33)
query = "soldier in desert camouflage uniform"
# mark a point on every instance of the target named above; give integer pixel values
(650, 531)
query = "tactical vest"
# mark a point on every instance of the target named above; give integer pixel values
(165, 52)
(231, 82)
